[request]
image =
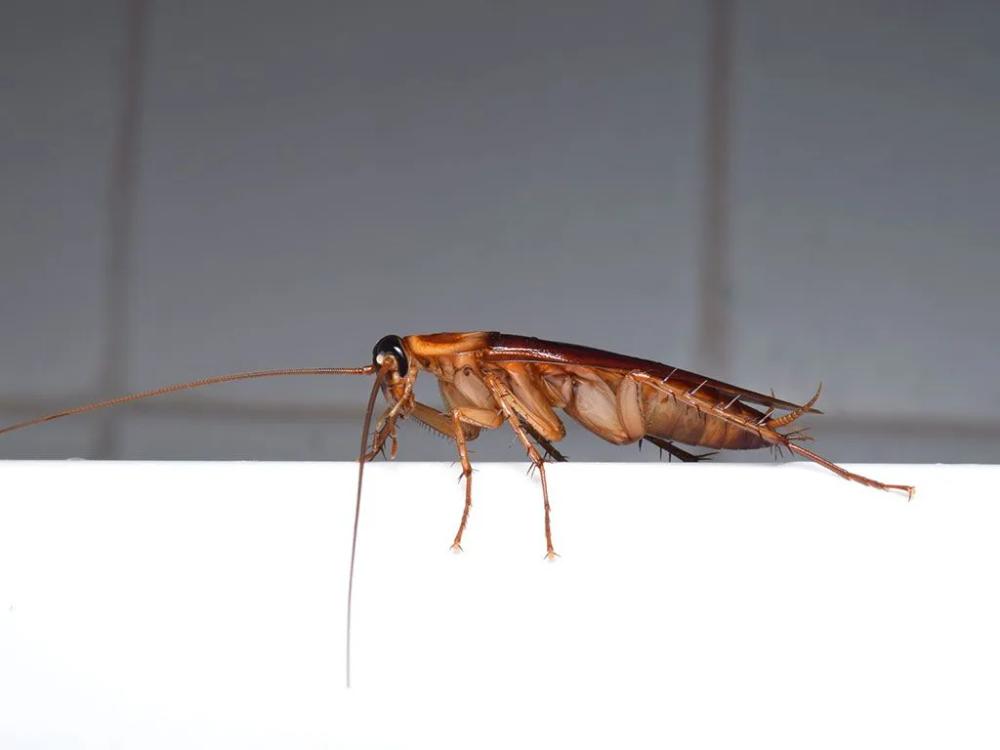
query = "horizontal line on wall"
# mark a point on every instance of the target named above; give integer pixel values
(274, 411)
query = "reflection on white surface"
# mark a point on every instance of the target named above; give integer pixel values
(202, 604)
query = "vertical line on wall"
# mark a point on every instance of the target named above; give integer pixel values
(714, 258)
(121, 206)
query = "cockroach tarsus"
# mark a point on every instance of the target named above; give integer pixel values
(487, 378)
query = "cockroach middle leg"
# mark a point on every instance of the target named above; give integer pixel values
(539, 463)
(505, 398)
(463, 455)
(550, 450)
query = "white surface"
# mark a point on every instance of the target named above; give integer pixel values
(202, 605)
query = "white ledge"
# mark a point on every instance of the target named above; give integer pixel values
(183, 604)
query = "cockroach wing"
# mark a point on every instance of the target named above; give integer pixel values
(510, 348)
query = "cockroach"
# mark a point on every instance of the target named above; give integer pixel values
(487, 378)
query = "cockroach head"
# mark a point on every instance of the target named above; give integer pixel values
(391, 346)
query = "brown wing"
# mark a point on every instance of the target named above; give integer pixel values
(726, 425)
(505, 347)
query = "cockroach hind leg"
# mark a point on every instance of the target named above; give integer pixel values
(673, 451)
(910, 490)
(552, 555)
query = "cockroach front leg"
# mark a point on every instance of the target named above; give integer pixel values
(385, 427)
(385, 430)
(463, 425)
(461, 420)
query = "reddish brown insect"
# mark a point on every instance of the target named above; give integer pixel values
(488, 378)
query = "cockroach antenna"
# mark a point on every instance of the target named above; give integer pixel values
(357, 514)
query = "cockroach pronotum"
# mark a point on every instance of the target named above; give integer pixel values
(489, 378)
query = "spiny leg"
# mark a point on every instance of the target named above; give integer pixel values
(861, 479)
(385, 427)
(385, 430)
(764, 430)
(673, 450)
(550, 553)
(547, 446)
(463, 455)
(504, 397)
(462, 425)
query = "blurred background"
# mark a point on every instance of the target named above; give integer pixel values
(773, 193)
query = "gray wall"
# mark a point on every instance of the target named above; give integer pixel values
(305, 177)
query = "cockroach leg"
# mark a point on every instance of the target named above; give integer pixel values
(539, 463)
(673, 450)
(463, 455)
(385, 431)
(385, 427)
(806, 453)
(461, 425)
(506, 400)
(547, 446)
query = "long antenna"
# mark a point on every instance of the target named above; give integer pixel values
(368, 370)
(357, 513)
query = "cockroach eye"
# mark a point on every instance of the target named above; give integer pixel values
(391, 345)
